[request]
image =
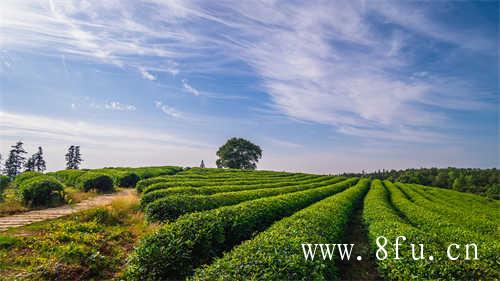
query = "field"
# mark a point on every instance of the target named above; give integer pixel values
(223, 224)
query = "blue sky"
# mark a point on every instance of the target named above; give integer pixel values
(321, 86)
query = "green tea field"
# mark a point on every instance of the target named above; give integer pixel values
(224, 224)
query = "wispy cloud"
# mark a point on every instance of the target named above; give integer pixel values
(147, 75)
(114, 105)
(327, 62)
(170, 111)
(190, 88)
(20, 125)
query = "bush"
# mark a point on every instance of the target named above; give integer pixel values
(95, 181)
(41, 191)
(68, 177)
(171, 207)
(4, 182)
(24, 177)
(276, 253)
(127, 179)
(175, 249)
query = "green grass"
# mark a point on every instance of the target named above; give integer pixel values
(93, 244)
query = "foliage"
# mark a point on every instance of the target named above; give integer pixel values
(479, 181)
(73, 158)
(422, 217)
(127, 179)
(152, 193)
(177, 248)
(171, 207)
(41, 191)
(4, 182)
(90, 245)
(15, 161)
(95, 181)
(238, 153)
(68, 177)
(24, 177)
(280, 245)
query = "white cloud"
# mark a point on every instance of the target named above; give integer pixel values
(320, 61)
(147, 75)
(190, 88)
(114, 105)
(170, 111)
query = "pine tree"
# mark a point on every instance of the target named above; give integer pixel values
(73, 157)
(15, 162)
(30, 164)
(202, 165)
(77, 158)
(69, 157)
(39, 161)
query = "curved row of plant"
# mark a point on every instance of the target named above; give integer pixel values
(277, 254)
(382, 219)
(447, 230)
(175, 249)
(209, 190)
(489, 207)
(173, 181)
(171, 207)
(478, 224)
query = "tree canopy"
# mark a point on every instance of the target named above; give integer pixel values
(239, 153)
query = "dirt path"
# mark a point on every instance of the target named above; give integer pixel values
(52, 213)
(356, 234)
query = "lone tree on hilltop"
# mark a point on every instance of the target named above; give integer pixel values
(202, 165)
(73, 158)
(238, 153)
(15, 162)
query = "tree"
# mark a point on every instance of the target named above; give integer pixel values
(77, 158)
(459, 183)
(30, 164)
(202, 165)
(238, 153)
(15, 162)
(39, 161)
(69, 157)
(73, 158)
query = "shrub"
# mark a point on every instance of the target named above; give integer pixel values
(276, 254)
(4, 182)
(171, 207)
(142, 184)
(127, 179)
(42, 191)
(95, 181)
(68, 177)
(175, 249)
(24, 177)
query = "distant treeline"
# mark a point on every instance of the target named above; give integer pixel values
(479, 181)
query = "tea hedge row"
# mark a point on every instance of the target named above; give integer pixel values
(276, 254)
(456, 215)
(164, 182)
(174, 250)
(171, 207)
(209, 190)
(382, 219)
(448, 230)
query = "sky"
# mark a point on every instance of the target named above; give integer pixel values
(321, 86)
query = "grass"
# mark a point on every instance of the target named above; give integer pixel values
(93, 244)
(10, 205)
